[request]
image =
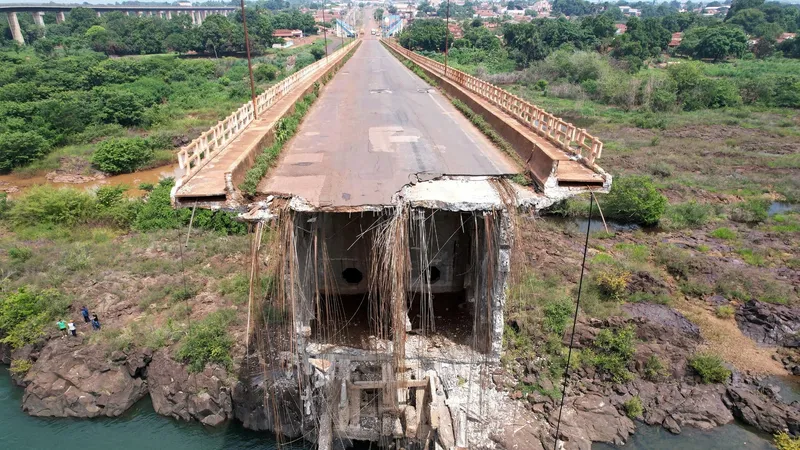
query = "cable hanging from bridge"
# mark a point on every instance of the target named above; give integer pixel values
(574, 321)
(249, 62)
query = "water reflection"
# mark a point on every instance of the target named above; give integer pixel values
(731, 436)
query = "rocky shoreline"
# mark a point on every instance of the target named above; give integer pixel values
(72, 379)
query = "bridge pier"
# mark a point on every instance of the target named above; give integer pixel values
(60, 17)
(16, 31)
(169, 15)
(38, 18)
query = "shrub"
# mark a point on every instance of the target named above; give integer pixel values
(122, 155)
(660, 169)
(688, 215)
(785, 442)
(303, 59)
(634, 199)
(556, 314)
(26, 314)
(633, 407)
(21, 148)
(751, 211)
(265, 72)
(710, 367)
(723, 233)
(318, 53)
(724, 311)
(20, 254)
(19, 367)
(49, 205)
(613, 351)
(612, 283)
(655, 369)
(207, 341)
(676, 260)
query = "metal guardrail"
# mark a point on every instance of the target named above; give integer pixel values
(560, 133)
(210, 143)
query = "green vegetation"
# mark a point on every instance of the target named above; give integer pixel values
(655, 369)
(751, 211)
(724, 233)
(611, 353)
(785, 442)
(634, 199)
(64, 207)
(122, 155)
(115, 33)
(687, 215)
(27, 314)
(19, 367)
(208, 342)
(724, 311)
(710, 368)
(633, 407)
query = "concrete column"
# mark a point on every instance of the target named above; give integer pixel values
(127, 13)
(16, 31)
(169, 15)
(194, 19)
(60, 17)
(139, 13)
(199, 15)
(38, 19)
(98, 13)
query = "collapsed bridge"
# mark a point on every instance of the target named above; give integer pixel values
(383, 229)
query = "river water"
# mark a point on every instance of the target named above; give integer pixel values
(141, 428)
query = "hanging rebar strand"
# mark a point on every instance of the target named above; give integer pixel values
(249, 63)
(574, 322)
(255, 245)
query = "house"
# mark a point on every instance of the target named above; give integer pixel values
(455, 30)
(184, 3)
(287, 34)
(676, 40)
(485, 14)
(630, 12)
(621, 28)
(515, 12)
(716, 10)
(785, 36)
(542, 8)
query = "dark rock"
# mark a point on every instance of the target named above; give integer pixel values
(73, 380)
(662, 315)
(137, 362)
(718, 300)
(768, 323)
(676, 405)
(188, 396)
(645, 282)
(250, 407)
(758, 410)
(591, 418)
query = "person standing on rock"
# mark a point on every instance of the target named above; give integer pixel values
(95, 322)
(72, 328)
(85, 313)
(62, 326)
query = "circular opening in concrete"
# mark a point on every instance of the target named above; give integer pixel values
(352, 275)
(435, 274)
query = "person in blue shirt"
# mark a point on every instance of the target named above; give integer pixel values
(95, 322)
(85, 313)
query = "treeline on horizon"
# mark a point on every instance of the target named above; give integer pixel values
(584, 58)
(115, 33)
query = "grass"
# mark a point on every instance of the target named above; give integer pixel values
(710, 368)
(724, 233)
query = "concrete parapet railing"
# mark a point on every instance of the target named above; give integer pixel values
(560, 133)
(192, 157)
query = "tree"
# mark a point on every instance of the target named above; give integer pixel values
(392, 9)
(601, 26)
(122, 155)
(21, 148)
(719, 42)
(644, 39)
(426, 34)
(378, 14)
(749, 19)
(739, 5)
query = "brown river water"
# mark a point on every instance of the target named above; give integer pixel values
(15, 185)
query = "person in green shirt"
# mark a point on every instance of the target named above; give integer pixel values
(62, 326)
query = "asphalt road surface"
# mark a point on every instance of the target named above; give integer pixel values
(375, 128)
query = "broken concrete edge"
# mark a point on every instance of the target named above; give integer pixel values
(547, 181)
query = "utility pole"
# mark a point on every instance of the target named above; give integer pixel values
(249, 63)
(324, 30)
(446, 32)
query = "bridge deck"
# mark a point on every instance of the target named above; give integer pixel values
(377, 127)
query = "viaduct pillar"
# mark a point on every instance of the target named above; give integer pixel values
(38, 18)
(60, 17)
(16, 31)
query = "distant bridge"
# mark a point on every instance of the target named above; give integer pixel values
(198, 13)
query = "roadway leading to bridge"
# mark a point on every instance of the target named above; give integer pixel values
(375, 128)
